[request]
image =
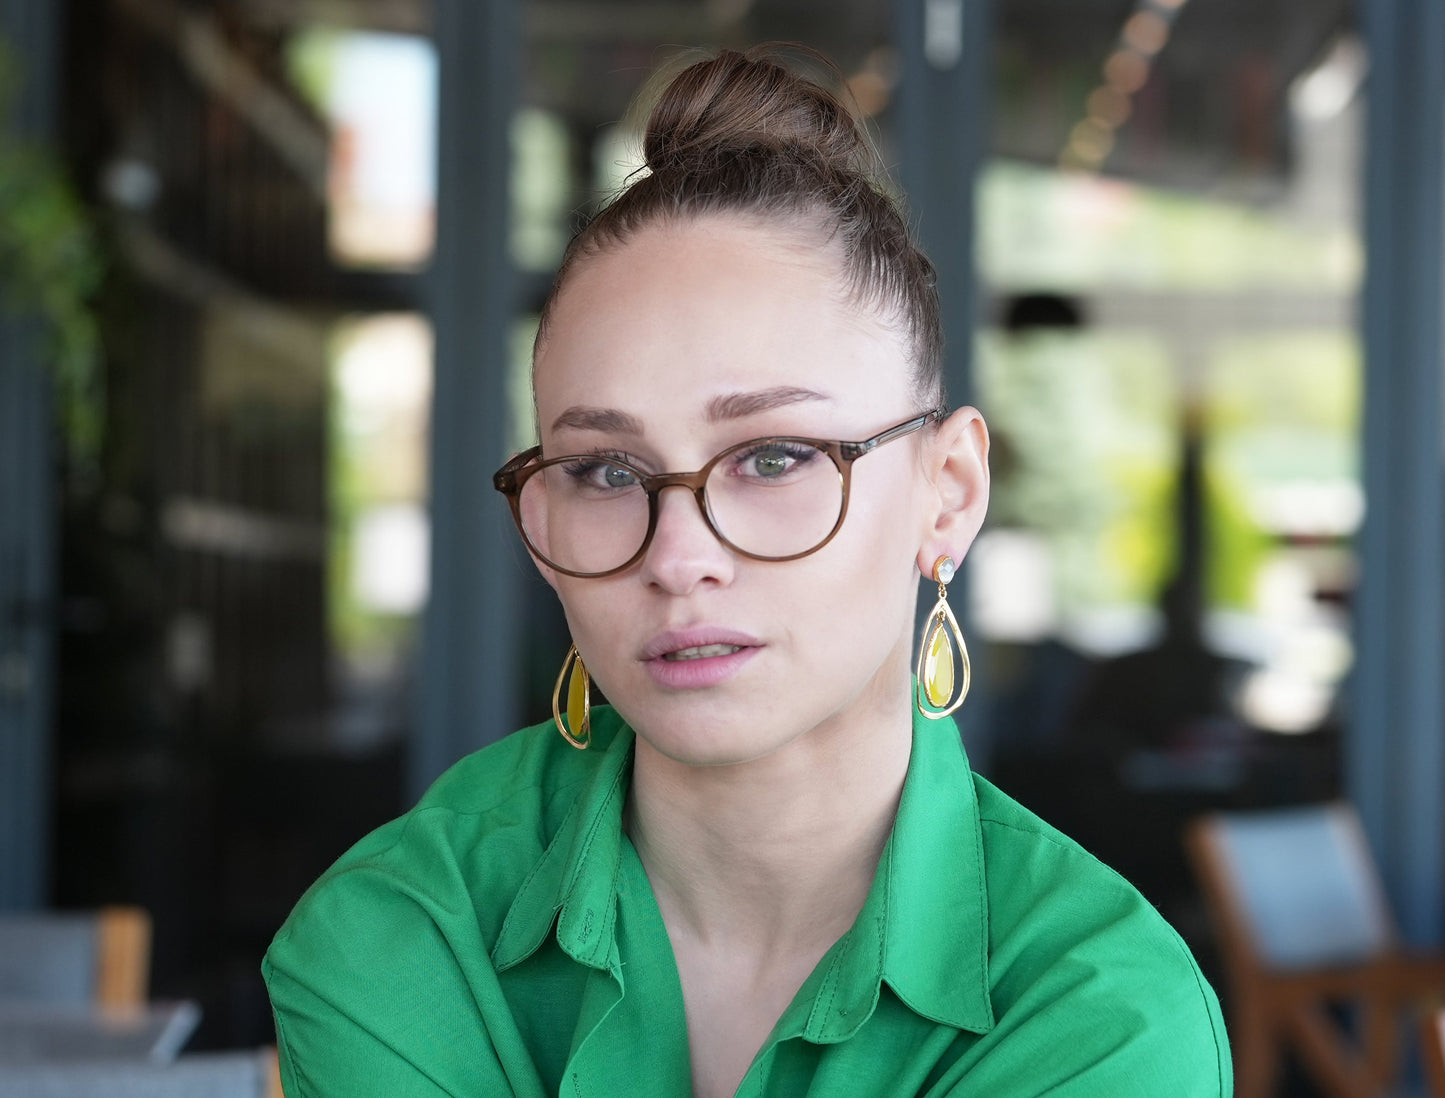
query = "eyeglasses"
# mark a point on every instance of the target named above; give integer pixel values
(777, 498)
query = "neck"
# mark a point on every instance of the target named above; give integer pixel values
(776, 855)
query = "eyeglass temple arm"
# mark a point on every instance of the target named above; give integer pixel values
(854, 450)
(505, 478)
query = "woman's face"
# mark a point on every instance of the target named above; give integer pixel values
(681, 342)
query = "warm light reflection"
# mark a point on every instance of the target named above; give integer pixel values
(1108, 107)
(1146, 31)
(1126, 71)
(871, 91)
(1091, 141)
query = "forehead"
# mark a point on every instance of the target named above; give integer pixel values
(681, 314)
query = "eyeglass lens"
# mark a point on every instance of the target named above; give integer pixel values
(770, 498)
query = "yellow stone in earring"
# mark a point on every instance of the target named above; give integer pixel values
(578, 728)
(937, 673)
(938, 667)
(577, 708)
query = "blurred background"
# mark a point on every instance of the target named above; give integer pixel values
(271, 270)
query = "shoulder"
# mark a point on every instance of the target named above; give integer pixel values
(1075, 946)
(381, 980)
(460, 855)
(1036, 874)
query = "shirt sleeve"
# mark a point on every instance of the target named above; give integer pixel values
(1088, 1042)
(373, 997)
(1095, 995)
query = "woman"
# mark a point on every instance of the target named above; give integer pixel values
(769, 870)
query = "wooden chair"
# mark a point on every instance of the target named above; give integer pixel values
(100, 957)
(1303, 929)
(1432, 1042)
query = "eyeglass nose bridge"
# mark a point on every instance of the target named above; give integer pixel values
(696, 483)
(655, 484)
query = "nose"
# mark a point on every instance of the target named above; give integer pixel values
(684, 551)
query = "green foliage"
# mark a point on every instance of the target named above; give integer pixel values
(1084, 456)
(1039, 227)
(311, 64)
(50, 268)
(1236, 545)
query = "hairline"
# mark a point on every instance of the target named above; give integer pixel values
(890, 312)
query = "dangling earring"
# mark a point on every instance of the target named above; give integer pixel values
(578, 729)
(936, 679)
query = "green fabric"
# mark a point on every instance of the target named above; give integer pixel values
(502, 939)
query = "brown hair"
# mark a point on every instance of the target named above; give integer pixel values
(744, 133)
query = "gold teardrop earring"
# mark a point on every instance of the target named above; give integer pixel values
(578, 729)
(935, 690)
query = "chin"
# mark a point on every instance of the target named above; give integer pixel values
(729, 755)
(709, 740)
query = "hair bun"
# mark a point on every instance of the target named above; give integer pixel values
(768, 134)
(757, 102)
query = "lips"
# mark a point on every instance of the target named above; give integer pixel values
(697, 643)
(702, 653)
(698, 658)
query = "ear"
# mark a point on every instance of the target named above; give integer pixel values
(958, 471)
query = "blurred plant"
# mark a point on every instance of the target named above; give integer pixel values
(50, 268)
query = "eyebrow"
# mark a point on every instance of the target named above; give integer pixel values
(598, 419)
(725, 407)
(740, 405)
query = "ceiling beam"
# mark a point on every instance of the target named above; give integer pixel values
(202, 48)
(542, 20)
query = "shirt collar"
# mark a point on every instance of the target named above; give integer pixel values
(936, 953)
(574, 884)
(923, 927)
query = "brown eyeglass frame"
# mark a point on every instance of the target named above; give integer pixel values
(510, 478)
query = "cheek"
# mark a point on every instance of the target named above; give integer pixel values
(533, 512)
(868, 577)
(887, 513)
(578, 605)
(592, 610)
(893, 523)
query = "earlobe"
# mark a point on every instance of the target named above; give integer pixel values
(960, 479)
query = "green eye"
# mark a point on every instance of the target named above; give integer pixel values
(599, 475)
(771, 463)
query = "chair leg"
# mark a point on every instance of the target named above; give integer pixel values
(273, 1075)
(1381, 1024)
(123, 948)
(1255, 1041)
(1432, 1045)
(1326, 1052)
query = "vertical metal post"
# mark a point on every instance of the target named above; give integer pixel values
(30, 31)
(468, 677)
(1395, 751)
(942, 124)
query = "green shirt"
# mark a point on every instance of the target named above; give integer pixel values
(501, 938)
